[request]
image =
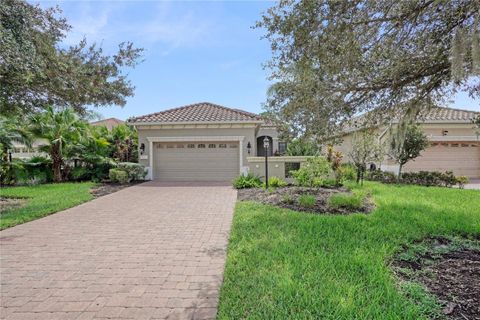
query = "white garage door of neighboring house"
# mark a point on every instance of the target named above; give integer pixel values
(196, 161)
(463, 158)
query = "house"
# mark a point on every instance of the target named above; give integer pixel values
(454, 142)
(202, 142)
(110, 123)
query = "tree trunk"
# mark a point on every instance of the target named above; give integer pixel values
(399, 171)
(56, 163)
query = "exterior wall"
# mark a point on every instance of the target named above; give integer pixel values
(457, 132)
(245, 130)
(276, 166)
(21, 151)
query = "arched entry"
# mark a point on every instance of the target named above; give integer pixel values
(261, 149)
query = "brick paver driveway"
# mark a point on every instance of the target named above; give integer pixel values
(151, 251)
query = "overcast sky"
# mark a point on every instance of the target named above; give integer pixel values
(195, 51)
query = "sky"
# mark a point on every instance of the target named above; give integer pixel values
(194, 51)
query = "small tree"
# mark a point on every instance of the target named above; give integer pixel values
(406, 144)
(365, 149)
(62, 131)
(302, 147)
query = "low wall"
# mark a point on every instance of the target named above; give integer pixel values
(276, 166)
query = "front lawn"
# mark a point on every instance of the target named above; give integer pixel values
(283, 264)
(42, 200)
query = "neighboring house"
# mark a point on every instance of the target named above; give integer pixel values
(202, 142)
(110, 123)
(454, 143)
(21, 151)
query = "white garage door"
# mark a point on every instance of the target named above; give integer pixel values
(463, 158)
(196, 161)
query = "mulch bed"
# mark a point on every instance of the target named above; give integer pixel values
(107, 188)
(11, 203)
(278, 196)
(453, 277)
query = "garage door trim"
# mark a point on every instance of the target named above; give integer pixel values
(151, 140)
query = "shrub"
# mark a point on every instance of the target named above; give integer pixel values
(313, 173)
(288, 199)
(382, 176)
(80, 173)
(307, 200)
(422, 178)
(117, 175)
(247, 181)
(347, 172)
(135, 171)
(345, 200)
(462, 181)
(275, 182)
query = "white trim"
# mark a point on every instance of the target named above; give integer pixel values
(195, 138)
(151, 140)
(453, 138)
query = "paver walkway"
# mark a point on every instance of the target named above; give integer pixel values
(151, 251)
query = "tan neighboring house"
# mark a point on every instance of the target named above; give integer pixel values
(21, 151)
(454, 143)
(202, 142)
(110, 123)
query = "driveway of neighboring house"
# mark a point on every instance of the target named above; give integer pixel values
(151, 251)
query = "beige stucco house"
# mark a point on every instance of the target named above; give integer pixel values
(202, 142)
(454, 143)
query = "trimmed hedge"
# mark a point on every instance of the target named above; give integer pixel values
(422, 178)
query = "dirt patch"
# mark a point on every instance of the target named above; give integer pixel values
(108, 188)
(11, 203)
(288, 197)
(451, 272)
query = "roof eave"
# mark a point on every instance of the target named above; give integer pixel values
(159, 123)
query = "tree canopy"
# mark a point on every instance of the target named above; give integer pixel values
(334, 59)
(36, 70)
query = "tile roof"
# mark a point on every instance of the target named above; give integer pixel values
(449, 114)
(435, 114)
(198, 112)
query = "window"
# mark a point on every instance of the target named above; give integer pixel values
(191, 145)
(233, 146)
(159, 146)
(222, 145)
(212, 146)
(201, 145)
(282, 147)
(180, 146)
(454, 145)
(291, 166)
(170, 146)
(464, 145)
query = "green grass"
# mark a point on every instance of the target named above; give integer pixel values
(43, 200)
(350, 201)
(288, 265)
(307, 200)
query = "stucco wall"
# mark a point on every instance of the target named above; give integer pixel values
(276, 166)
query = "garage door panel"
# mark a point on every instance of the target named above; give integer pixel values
(177, 162)
(461, 158)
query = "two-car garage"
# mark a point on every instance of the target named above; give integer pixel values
(196, 160)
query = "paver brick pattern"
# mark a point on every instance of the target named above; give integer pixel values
(151, 251)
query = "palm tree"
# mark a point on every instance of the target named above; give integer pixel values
(124, 139)
(62, 130)
(12, 131)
